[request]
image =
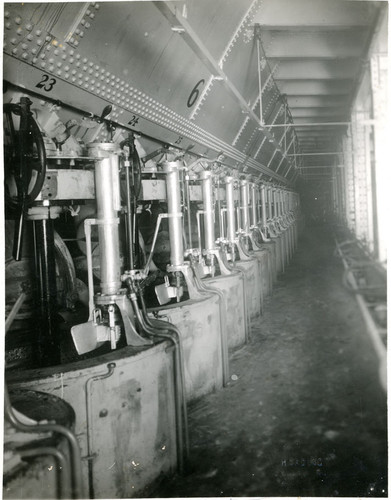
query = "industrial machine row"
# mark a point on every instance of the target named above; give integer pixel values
(131, 275)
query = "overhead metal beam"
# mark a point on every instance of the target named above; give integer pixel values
(317, 154)
(312, 28)
(323, 124)
(180, 25)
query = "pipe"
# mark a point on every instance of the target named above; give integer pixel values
(59, 429)
(223, 321)
(178, 379)
(90, 456)
(62, 465)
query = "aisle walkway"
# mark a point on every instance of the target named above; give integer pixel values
(304, 414)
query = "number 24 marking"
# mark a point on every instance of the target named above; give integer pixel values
(46, 83)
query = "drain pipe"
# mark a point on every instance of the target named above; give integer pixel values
(90, 455)
(150, 330)
(223, 320)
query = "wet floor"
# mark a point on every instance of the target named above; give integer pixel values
(304, 413)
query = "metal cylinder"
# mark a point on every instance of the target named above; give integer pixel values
(171, 170)
(263, 204)
(254, 204)
(207, 197)
(229, 189)
(244, 201)
(107, 196)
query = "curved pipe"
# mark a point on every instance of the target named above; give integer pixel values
(90, 455)
(180, 403)
(59, 429)
(223, 321)
(60, 459)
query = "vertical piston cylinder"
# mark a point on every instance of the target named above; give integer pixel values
(254, 204)
(244, 200)
(171, 170)
(207, 198)
(107, 193)
(229, 187)
(263, 204)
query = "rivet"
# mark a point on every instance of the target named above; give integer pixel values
(38, 32)
(78, 56)
(73, 72)
(71, 52)
(78, 64)
(90, 71)
(66, 75)
(55, 43)
(35, 59)
(29, 37)
(81, 34)
(85, 68)
(13, 41)
(88, 12)
(42, 56)
(59, 64)
(86, 86)
(66, 68)
(19, 31)
(51, 60)
(51, 68)
(25, 55)
(73, 79)
(8, 25)
(97, 6)
(80, 75)
(49, 47)
(86, 78)
(43, 64)
(6, 14)
(92, 15)
(59, 72)
(82, 22)
(56, 52)
(76, 43)
(77, 31)
(18, 20)
(64, 56)
(47, 38)
(80, 82)
(85, 60)
(71, 60)
(98, 84)
(87, 25)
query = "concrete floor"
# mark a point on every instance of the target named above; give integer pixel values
(304, 413)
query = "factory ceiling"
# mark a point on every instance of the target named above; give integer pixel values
(191, 73)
